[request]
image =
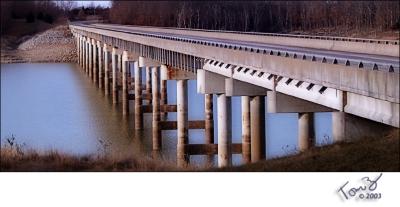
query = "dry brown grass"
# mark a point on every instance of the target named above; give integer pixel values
(369, 154)
(377, 154)
(14, 160)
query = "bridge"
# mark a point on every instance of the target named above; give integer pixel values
(355, 79)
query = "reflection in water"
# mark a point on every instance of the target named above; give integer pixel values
(56, 106)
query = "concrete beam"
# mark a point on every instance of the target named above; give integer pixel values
(240, 88)
(147, 62)
(281, 103)
(210, 83)
(170, 73)
(374, 109)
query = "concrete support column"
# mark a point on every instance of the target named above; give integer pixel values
(209, 123)
(138, 97)
(106, 72)
(209, 120)
(183, 123)
(78, 51)
(114, 76)
(306, 131)
(82, 53)
(246, 146)
(148, 83)
(94, 67)
(224, 108)
(257, 128)
(164, 97)
(125, 98)
(338, 126)
(90, 58)
(157, 142)
(100, 65)
(86, 56)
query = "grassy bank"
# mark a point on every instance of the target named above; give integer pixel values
(14, 160)
(378, 154)
(372, 154)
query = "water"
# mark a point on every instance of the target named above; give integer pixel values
(57, 107)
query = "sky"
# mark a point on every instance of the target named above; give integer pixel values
(100, 3)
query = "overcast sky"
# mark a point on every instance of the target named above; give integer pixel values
(101, 3)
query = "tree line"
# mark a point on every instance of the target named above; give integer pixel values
(259, 16)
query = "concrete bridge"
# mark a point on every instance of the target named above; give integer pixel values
(355, 79)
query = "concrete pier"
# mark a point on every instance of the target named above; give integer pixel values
(125, 98)
(224, 108)
(100, 63)
(306, 138)
(163, 97)
(246, 147)
(138, 97)
(163, 89)
(257, 128)
(338, 126)
(148, 83)
(94, 67)
(106, 71)
(114, 76)
(78, 49)
(90, 57)
(209, 120)
(157, 142)
(86, 56)
(183, 123)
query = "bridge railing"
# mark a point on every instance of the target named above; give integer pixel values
(317, 37)
(276, 52)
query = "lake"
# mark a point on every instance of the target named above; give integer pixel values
(57, 107)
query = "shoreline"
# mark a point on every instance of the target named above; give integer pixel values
(369, 154)
(55, 45)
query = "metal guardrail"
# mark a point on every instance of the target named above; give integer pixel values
(283, 53)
